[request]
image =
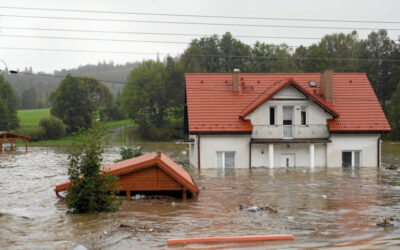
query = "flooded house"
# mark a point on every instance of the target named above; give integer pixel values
(244, 120)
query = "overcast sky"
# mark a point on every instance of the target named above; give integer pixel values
(12, 52)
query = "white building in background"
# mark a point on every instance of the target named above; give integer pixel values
(242, 120)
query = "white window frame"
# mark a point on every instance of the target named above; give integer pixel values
(223, 158)
(352, 157)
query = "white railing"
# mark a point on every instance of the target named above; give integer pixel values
(290, 131)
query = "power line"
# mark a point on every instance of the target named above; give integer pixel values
(94, 39)
(204, 55)
(108, 40)
(197, 23)
(81, 50)
(202, 16)
(149, 33)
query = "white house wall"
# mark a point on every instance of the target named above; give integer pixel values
(329, 155)
(366, 143)
(260, 154)
(289, 92)
(316, 115)
(210, 144)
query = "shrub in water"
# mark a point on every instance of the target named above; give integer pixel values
(128, 153)
(92, 189)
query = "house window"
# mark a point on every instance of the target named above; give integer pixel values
(225, 159)
(287, 115)
(303, 115)
(272, 115)
(351, 158)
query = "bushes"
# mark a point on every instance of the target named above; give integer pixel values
(53, 128)
(50, 128)
(36, 133)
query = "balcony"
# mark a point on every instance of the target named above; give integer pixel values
(312, 131)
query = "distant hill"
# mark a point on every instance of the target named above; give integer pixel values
(33, 90)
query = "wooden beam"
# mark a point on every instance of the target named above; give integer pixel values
(12, 144)
(128, 195)
(184, 195)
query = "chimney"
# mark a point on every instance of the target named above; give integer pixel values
(326, 84)
(235, 80)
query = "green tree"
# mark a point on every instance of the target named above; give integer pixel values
(76, 98)
(394, 114)
(147, 98)
(383, 74)
(272, 59)
(8, 106)
(92, 189)
(235, 54)
(71, 104)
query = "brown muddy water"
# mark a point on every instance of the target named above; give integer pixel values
(327, 208)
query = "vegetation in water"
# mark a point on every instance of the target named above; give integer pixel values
(92, 189)
(129, 152)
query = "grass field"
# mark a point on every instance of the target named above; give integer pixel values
(31, 117)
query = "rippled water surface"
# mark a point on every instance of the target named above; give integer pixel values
(326, 208)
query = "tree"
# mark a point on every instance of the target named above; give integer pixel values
(92, 190)
(8, 107)
(71, 104)
(272, 59)
(76, 98)
(383, 74)
(147, 97)
(394, 114)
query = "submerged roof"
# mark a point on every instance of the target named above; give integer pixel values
(148, 160)
(214, 108)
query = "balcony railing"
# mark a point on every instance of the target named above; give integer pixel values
(290, 131)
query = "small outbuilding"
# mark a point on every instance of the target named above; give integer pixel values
(152, 173)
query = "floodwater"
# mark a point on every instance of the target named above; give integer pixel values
(336, 207)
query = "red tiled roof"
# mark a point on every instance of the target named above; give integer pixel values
(214, 108)
(144, 161)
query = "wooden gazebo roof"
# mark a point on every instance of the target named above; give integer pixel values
(12, 137)
(8, 134)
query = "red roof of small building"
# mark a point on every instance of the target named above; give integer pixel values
(145, 161)
(214, 108)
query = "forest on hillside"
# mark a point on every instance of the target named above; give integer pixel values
(33, 89)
